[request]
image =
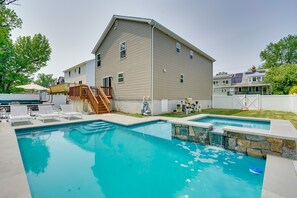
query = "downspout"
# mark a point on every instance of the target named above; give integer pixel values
(152, 68)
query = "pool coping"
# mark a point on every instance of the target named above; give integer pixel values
(283, 129)
(13, 181)
(280, 179)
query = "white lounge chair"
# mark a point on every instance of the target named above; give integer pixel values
(68, 112)
(47, 112)
(19, 113)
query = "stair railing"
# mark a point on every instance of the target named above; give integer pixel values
(104, 99)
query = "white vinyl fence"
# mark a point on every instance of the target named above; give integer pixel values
(257, 102)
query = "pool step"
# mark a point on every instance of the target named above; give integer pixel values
(99, 130)
(95, 124)
(96, 127)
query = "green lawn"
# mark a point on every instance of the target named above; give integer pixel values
(236, 112)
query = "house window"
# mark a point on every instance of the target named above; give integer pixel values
(120, 77)
(191, 54)
(123, 49)
(79, 70)
(239, 89)
(98, 60)
(250, 89)
(257, 89)
(224, 82)
(75, 70)
(69, 73)
(214, 82)
(227, 81)
(177, 46)
(181, 78)
(80, 82)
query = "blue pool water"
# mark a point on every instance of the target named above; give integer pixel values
(116, 161)
(222, 122)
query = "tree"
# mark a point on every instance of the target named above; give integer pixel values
(282, 52)
(252, 69)
(19, 60)
(293, 90)
(7, 2)
(282, 78)
(45, 80)
(29, 56)
(221, 73)
(9, 19)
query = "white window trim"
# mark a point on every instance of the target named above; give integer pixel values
(121, 50)
(191, 54)
(177, 46)
(122, 77)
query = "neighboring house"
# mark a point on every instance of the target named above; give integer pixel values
(250, 82)
(83, 73)
(60, 80)
(139, 58)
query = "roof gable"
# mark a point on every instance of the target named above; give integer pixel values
(78, 65)
(150, 22)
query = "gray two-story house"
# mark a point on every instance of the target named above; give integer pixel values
(141, 59)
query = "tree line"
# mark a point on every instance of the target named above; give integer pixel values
(20, 59)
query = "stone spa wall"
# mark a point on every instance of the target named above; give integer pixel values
(251, 145)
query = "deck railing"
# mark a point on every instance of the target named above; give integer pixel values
(85, 92)
(60, 88)
(107, 91)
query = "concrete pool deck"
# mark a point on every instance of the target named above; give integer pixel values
(13, 182)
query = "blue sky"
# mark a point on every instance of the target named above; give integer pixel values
(232, 31)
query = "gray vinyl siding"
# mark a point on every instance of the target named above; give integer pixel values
(137, 64)
(197, 72)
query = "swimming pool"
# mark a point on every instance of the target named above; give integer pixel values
(116, 161)
(219, 122)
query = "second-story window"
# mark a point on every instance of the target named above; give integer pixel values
(181, 78)
(178, 47)
(98, 60)
(123, 49)
(69, 73)
(79, 70)
(227, 81)
(120, 77)
(191, 54)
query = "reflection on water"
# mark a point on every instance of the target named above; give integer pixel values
(35, 146)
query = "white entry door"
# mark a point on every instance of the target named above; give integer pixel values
(164, 105)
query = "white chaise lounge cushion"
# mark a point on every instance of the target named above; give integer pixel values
(67, 111)
(19, 113)
(47, 112)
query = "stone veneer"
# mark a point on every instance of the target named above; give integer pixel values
(252, 145)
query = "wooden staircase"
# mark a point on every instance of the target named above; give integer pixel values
(97, 98)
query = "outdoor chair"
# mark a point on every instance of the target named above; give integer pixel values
(19, 113)
(47, 112)
(68, 112)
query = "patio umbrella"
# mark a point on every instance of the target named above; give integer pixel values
(33, 86)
